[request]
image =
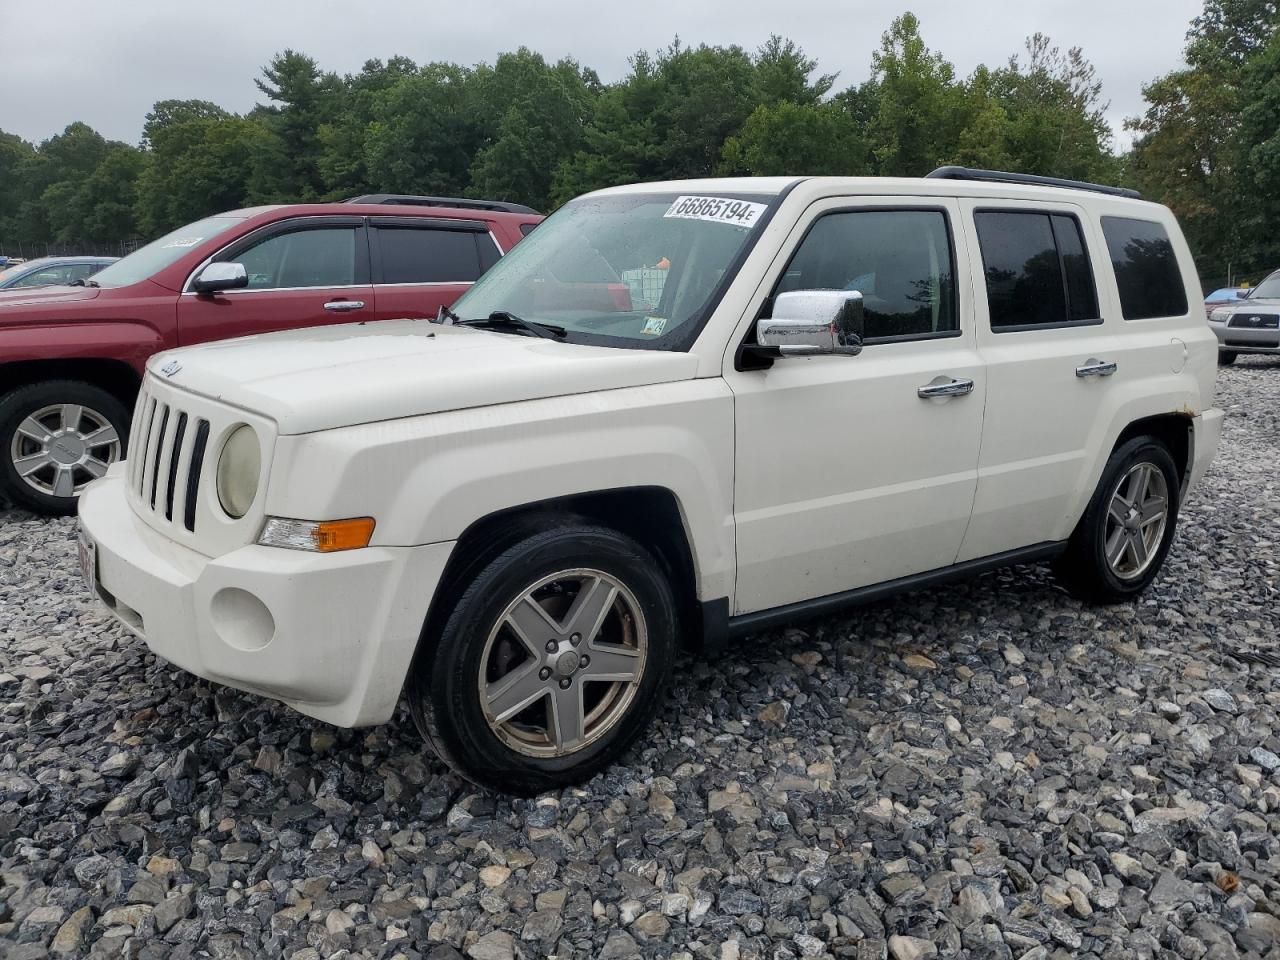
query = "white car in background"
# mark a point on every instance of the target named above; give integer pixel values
(676, 413)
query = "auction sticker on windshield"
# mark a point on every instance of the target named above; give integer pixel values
(740, 213)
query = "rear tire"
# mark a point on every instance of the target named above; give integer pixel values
(55, 437)
(520, 692)
(1120, 543)
(1227, 357)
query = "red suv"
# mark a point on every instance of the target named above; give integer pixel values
(71, 357)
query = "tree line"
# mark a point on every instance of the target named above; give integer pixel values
(540, 133)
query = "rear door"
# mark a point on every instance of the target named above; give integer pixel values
(304, 272)
(421, 264)
(1048, 345)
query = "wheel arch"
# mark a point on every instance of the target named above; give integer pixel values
(116, 377)
(1175, 430)
(650, 515)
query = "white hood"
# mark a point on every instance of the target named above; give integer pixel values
(326, 377)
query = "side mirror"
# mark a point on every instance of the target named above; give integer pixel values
(808, 323)
(220, 276)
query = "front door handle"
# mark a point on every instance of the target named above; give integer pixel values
(344, 306)
(1093, 367)
(945, 387)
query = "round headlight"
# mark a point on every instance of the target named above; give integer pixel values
(238, 468)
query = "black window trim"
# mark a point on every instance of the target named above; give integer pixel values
(1049, 214)
(744, 362)
(237, 245)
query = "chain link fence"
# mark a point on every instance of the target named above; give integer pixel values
(30, 251)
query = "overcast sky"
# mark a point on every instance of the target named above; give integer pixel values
(107, 61)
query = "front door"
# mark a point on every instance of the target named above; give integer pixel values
(848, 471)
(302, 273)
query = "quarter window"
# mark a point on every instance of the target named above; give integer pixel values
(323, 257)
(417, 255)
(1146, 268)
(1037, 270)
(899, 260)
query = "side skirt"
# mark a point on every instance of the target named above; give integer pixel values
(719, 627)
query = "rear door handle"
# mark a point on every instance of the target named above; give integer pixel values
(344, 306)
(1093, 367)
(945, 387)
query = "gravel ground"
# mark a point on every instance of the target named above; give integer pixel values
(988, 770)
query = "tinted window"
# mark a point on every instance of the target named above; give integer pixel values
(899, 260)
(1036, 268)
(416, 255)
(324, 257)
(1146, 268)
(527, 228)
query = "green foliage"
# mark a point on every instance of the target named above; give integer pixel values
(1207, 140)
(538, 132)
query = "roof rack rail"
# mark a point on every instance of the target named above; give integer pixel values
(999, 176)
(461, 203)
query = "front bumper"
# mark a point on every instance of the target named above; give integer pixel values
(331, 635)
(1246, 339)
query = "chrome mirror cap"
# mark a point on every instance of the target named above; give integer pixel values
(807, 323)
(220, 276)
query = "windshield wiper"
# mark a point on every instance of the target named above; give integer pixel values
(504, 318)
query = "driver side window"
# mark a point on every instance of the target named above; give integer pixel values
(322, 257)
(899, 260)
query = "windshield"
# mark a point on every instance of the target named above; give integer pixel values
(155, 256)
(1268, 289)
(635, 269)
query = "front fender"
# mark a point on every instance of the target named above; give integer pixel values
(426, 479)
(130, 343)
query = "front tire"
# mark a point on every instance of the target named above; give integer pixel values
(56, 437)
(550, 664)
(1120, 543)
(1227, 357)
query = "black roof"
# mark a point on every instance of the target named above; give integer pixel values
(461, 203)
(999, 176)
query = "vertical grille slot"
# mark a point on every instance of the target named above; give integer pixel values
(159, 455)
(140, 450)
(193, 475)
(175, 451)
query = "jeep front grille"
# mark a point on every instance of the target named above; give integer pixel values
(170, 445)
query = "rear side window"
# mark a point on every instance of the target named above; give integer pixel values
(1037, 270)
(418, 255)
(1146, 268)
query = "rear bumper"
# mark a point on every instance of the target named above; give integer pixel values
(1206, 435)
(331, 635)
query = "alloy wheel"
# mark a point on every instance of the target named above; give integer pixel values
(1136, 519)
(563, 663)
(59, 449)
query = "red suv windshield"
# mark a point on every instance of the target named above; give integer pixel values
(155, 256)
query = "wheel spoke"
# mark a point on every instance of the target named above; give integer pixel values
(609, 661)
(1153, 509)
(1139, 544)
(1115, 546)
(1141, 481)
(1118, 510)
(589, 608)
(71, 415)
(509, 695)
(65, 483)
(101, 436)
(95, 468)
(530, 623)
(29, 465)
(566, 718)
(34, 429)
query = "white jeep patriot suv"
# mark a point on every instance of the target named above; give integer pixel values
(676, 412)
